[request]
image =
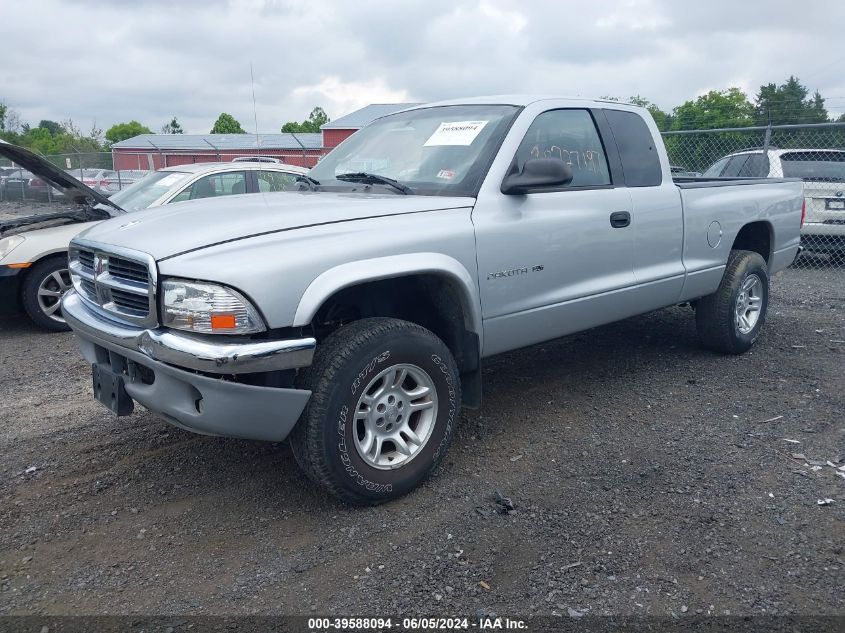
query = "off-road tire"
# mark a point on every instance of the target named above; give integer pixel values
(715, 316)
(345, 363)
(29, 293)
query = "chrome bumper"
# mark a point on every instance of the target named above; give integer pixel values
(215, 355)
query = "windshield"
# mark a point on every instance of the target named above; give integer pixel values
(150, 188)
(444, 150)
(826, 166)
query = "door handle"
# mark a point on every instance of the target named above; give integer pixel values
(620, 219)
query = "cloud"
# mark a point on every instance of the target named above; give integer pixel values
(149, 60)
(342, 97)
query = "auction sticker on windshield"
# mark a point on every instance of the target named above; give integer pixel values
(456, 133)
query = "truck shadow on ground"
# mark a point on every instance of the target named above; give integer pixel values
(136, 454)
(170, 459)
(16, 324)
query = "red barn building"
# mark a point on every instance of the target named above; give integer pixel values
(337, 131)
(154, 151)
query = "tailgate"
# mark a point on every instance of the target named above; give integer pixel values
(825, 202)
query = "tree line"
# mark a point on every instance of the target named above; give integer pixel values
(775, 104)
(783, 104)
(52, 137)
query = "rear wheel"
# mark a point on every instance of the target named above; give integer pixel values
(731, 318)
(385, 400)
(45, 285)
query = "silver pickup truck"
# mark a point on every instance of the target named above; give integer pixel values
(352, 316)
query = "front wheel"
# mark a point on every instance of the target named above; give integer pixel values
(385, 399)
(43, 289)
(731, 318)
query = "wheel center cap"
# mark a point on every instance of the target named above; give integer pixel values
(392, 413)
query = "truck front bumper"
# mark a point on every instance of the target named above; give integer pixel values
(168, 373)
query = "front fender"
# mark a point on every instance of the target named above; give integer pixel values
(353, 273)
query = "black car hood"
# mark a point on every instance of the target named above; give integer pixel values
(44, 169)
(82, 213)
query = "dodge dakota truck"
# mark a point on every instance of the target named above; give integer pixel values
(352, 316)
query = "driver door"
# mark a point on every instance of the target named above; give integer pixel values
(551, 262)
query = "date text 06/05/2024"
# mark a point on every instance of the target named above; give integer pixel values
(415, 624)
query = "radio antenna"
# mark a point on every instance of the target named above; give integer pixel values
(254, 112)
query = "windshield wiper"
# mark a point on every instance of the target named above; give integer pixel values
(375, 179)
(312, 184)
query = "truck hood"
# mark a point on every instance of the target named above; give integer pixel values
(44, 169)
(176, 229)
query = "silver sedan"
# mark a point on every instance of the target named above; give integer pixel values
(206, 180)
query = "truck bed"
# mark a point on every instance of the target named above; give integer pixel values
(699, 182)
(716, 209)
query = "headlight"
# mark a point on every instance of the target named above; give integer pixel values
(198, 306)
(8, 244)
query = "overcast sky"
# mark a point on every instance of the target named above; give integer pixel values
(108, 62)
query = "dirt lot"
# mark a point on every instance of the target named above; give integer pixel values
(648, 477)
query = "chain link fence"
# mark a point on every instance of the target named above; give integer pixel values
(814, 153)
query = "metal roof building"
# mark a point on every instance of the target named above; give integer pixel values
(221, 142)
(358, 119)
(154, 151)
(337, 131)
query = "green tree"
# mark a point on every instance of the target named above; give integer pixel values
(122, 131)
(3, 109)
(173, 127)
(96, 134)
(51, 126)
(788, 103)
(313, 123)
(227, 124)
(661, 118)
(717, 108)
(39, 139)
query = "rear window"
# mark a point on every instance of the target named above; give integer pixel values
(757, 166)
(814, 165)
(640, 161)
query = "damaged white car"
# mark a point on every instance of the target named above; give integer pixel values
(33, 249)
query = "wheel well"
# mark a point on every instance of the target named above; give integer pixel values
(757, 237)
(430, 300)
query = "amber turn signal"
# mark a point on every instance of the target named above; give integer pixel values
(222, 321)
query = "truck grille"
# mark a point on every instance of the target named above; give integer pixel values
(122, 283)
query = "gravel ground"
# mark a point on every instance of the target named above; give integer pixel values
(648, 477)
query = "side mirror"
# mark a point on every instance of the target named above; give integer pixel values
(537, 173)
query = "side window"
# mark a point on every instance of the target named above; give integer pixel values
(213, 185)
(570, 136)
(735, 165)
(640, 160)
(276, 181)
